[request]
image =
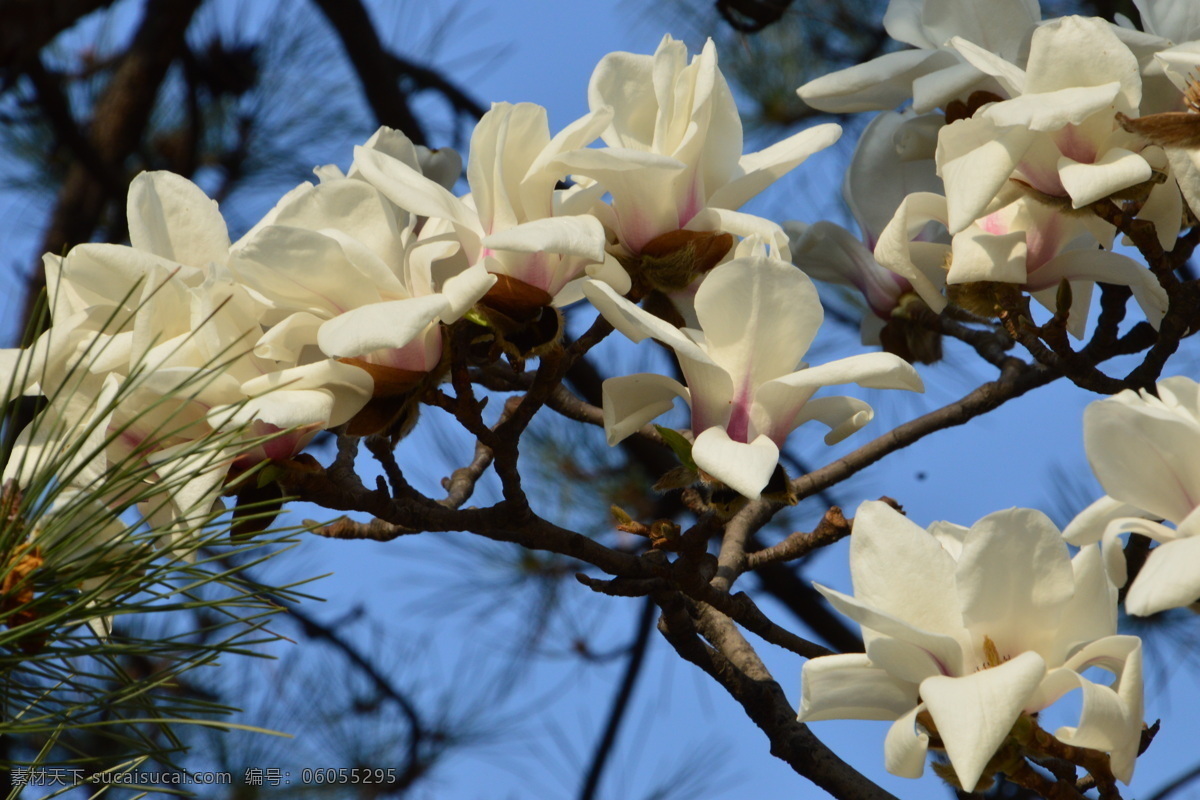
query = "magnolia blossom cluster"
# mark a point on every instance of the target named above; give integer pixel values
(1017, 126)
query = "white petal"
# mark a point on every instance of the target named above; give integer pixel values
(1106, 267)
(869, 370)
(851, 687)
(842, 415)
(577, 236)
(631, 401)
(638, 324)
(1111, 717)
(905, 747)
(982, 256)
(412, 191)
(881, 83)
(378, 326)
(974, 713)
(171, 217)
(1115, 170)
(759, 170)
(1170, 578)
(759, 316)
(975, 159)
(896, 251)
(1088, 526)
(464, 290)
(1144, 454)
(1014, 578)
(899, 568)
(745, 468)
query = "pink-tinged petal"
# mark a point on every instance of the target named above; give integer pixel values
(976, 159)
(379, 326)
(881, 83)
(1014, 578)
(745, 468)
(945, 649)
(412, 191)
(869, 370)
(974, 713)
(759, 316)
(919, 263)
(575, 236)
(905, 747)
(830, 253)
(171, 217)
(1170, 578)
(1105, 267)
(1115, 170)
(1144, 454)
(1111, 718)
(759, 170)
(631, 401)
(898, 567)
(851, 687)
(638, 324)
(982, 256)
(1088, 526)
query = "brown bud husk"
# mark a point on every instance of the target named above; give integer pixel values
(1171, 128)
(958, 109)
(521, 317)
(392, 409)
(674, 260)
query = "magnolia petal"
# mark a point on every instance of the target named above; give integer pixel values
(1014, 577)
(1083, 38)
(1088, 525)
(576, 236)
(896, 565)
(904, 661)
(412, 191)
(946, 649)
(379, 326)
(759, 316)
(1010, 76)
(1091, 613)
(1105, 267)
(1111, 717)
(1170, 578)
(881, 83)
(171, 217)
(976, 158)
(974, 713)
(905, 747)
(869, 370)
(287, 340)
(842, 415)
(759, 170)
(745, 468)
(1164, 208)
(982, 256)
(897, 251)
(349, 386)
(637, 324)
(1144, 455)
(464, 290)
(631, 401)
(851, 687)
(1115, 170)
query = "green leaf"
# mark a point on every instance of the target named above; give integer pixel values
(679, 445)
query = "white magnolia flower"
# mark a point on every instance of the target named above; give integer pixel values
(514, 222)
(1145, 450)
(674, 157)
(341, 276)
(975, 628)
(1057, 135)
(746, 383)
(933, 73)
(1026, 243)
